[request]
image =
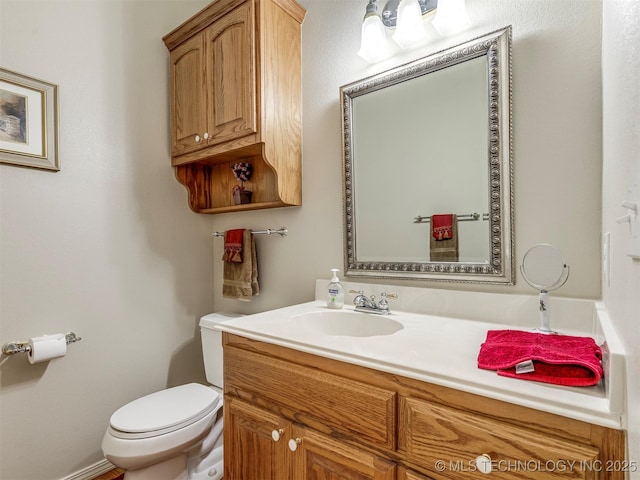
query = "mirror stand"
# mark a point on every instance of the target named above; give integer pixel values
(544, 268)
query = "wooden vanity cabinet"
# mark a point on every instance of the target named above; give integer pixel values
(352, 422)
(235, 71)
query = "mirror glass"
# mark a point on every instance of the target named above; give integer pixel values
(544, 268)
(427, 167)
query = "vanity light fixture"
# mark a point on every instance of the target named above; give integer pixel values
(407, 18)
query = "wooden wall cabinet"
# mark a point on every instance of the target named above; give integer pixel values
(351, 422)
(235, 95)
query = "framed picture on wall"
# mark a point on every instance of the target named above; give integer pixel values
(28, 121)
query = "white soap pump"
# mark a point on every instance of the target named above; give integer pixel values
(335, 292)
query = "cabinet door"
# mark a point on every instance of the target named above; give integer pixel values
(231, 75)
(404, 474)
(251, 448)
(188, 96)
(319, 457)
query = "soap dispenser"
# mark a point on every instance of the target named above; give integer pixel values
(335, 292)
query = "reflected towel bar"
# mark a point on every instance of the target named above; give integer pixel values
(467, 217)
(282, 231)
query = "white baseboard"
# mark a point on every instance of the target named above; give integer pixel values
(92, 471)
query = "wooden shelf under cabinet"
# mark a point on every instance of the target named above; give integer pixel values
(236, 86)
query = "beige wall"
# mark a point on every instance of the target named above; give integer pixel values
(108, 247)
(621, 159)
(104, 247)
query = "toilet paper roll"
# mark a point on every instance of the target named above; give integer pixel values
(47, 347)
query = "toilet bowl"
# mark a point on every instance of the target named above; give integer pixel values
(174, 434)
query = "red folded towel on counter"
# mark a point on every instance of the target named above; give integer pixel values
(233, 246)
(442, 226)
(557, 359)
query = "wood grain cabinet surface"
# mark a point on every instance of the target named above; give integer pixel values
(266, 446)
(349, 422)
(235, 70)
(451, 440)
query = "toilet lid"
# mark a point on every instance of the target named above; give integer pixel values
(165, 411)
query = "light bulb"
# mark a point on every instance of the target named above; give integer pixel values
(451, 17)
(409, 26)
(373, 46)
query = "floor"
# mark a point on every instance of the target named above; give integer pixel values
(112, 475)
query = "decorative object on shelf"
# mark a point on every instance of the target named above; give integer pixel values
(242, 171)
(28, 121)
(409, 20)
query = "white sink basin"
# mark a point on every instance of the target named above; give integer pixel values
(346, 323)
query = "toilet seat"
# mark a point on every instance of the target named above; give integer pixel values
(163, 412)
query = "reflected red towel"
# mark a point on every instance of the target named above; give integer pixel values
(442, 226)
(233, 246)
(557, 359)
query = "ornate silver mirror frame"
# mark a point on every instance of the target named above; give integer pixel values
(499, 267)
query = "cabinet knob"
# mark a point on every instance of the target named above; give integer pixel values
(275, 434)
(199, 139)
(483, 462)
(293, 444)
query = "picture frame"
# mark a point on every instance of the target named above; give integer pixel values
(28, 121)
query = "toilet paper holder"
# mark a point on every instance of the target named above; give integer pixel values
(11, 348)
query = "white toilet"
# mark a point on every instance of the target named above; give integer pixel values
(174, 434)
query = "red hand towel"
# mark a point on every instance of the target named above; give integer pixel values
(557, 359)
(233, 246)
(442, 226)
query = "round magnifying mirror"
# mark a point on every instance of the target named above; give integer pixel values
(543, 267)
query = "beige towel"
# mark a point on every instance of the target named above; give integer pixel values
(240, 280)
(445, 250)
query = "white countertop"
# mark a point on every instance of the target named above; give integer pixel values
(435, 349)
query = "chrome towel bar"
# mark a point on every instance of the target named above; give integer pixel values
(282, 231)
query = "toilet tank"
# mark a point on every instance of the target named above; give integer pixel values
(212, 345)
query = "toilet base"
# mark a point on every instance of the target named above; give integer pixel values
(204, 461)
(174, 468)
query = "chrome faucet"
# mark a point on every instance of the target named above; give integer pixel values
(369, 305)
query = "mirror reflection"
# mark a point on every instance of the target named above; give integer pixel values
(428, 168)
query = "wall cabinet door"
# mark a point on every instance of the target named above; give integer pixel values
(213, 84)
(255, 443)
(188, 96)
(319, 457)
(231, 77)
